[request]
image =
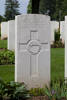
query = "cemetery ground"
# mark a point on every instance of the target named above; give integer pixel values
(3, 43)
(15, 91)
(57, 66)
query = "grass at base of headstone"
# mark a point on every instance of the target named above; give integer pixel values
(57, 66)
(7, 72)
(57, 63)
(3, 44)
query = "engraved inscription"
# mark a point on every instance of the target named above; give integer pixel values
(34, 47)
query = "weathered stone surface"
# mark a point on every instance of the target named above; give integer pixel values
(66, 47)
(32, 52)
(11, 35)
(62, 30)
(4, 30)
(54, 26)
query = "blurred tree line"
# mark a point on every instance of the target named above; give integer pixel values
(57, 9)
(11, 9)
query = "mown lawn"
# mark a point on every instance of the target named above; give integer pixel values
(7, 72)
(57, 63)
(57, 66)
(3, 44)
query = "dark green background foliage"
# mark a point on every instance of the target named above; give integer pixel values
(11, 9)
(47, 7)
(29, 8)
(57, 35)
(7, 57)
(2, 19)
(57, 9)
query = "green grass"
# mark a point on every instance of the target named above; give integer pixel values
(3, 43)
(7, 72)
(57, 66)
(57, 63)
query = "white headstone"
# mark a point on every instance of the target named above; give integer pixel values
(32, 62)
(65, 47)
(4, 30)
(11, 35)
(62, 30)
(54, 26)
